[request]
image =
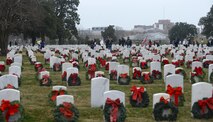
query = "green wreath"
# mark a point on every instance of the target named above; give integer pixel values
(48, 83)
(77, 83)
(55, 68)
(50, 95)
(20, 113)
(151, 80)
(124, 81)
(60, 117)
(196, 79)
(160, 107)
(181, 72)
(196, 111)
(121, 113)
(113, 76)
(156, 75)
(143, 103)
(181, 100)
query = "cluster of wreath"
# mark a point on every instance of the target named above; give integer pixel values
(197, 75)
(139, 97)
(66, 112)
(57, 67)
(159, 109)
(74, 80)
(124, 79)
(203, 108)
(11, 111)
(180, 71)
(45, 81)
(147, 78)
(113, 75)
(156, 74)
(114, 111)
(53, 94)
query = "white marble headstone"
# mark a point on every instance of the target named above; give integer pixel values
(9, 94)
(99, 85)
(174, 80)
(8, 79)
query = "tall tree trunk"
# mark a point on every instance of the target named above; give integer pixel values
(4, 42)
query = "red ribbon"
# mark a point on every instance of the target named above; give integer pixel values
(114, 74)
(10, 109)
(198, 70)
(177, 71)
(137, 73)
(146, 76)
(2, 68)
(74, 77)
(137, 93)
(64, 74)
(91, 70)
(206, 103)
(162, 99)
(9, 86)
(143, 64)
(174, 91)
(176, 63)
(9, 61)
(124, 75)
(107, 67)
(114, 110)
(165, 62)
(55, 93)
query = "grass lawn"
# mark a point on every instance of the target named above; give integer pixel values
(34, 98)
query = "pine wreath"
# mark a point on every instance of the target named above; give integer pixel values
(162, 106)
(45, 81)
(156, 74)
(176, 95)
(114, 111)
(143, 65)
(146, 79)
(38, 67)
(113, 75)
(66, 112)
(197, 75)
(124, 79)
(11, 111)
(201, 109)
(53, 94)
(2, 68)
(180, 71)
(74, 80)
(136, 74)
(57, 67)
(207, 63)
(139, 97)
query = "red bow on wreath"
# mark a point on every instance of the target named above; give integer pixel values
(65, 110)
(9, 86)
(146, 76)
(137, 93)
(2, 67)
(107, 66)
(174, 91)
(178, 71)
(45, 79)
(10, 109)
(137, 73)
(91, 70)
(9, 61)
(124, 75)
(143, 64)
(74, 77)
(55, 93)
(165, 62)
(176, 63)
(38, 65)
(114, 110)
(64, 75)
(198, 70)
(162, 99)
(204, 103)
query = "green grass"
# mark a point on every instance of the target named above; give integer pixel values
(37, 108)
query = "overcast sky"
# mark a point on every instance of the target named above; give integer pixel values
(127, 13)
